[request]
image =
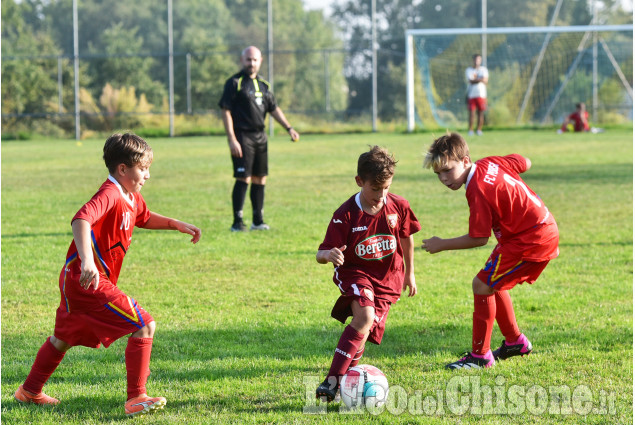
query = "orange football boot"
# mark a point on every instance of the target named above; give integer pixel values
(143, 404)
(24, 396)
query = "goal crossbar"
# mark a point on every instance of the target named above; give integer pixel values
(411, 33)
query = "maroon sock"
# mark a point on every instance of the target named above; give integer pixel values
(46, 361)
(483, 322)
(505, 316)
(345, 351)
(357, 356)
(138, 352)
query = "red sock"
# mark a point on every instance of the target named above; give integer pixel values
(483, 322)
(357, 356)
(138, 353)
(345, 351)
(505, 316)
(46, 361)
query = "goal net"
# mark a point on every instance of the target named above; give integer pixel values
(536, 75)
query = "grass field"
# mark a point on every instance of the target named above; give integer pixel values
(244, 332)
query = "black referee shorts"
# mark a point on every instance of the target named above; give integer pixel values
(254, 161)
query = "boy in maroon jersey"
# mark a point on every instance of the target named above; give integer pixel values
(93, 310)
(369, 241)
(526, 232)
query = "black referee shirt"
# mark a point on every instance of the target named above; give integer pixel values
(249, 100)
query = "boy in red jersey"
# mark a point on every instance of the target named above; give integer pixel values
(369, 241)
(579, 118)
(93, 310)
(526, 232)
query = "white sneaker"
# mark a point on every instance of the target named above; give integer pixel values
(261, 226)
(470, 133)
(559, 131)
(479, 133)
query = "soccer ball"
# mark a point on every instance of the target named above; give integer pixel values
(364, 385)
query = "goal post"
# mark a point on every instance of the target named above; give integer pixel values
(536, 74)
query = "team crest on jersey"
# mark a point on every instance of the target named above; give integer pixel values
(392, 220)
(376, 247)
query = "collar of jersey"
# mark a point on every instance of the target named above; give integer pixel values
(130, 198)
(469, 176)
(359, 202)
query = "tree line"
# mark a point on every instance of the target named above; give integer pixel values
(123, 46)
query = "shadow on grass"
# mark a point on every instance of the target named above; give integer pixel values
(603, 174)
(207, 363)
(250, 353)
(592, 174)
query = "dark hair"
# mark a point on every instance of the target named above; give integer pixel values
(377, 165)
(128, 149)
(450, 147)
(476, 55)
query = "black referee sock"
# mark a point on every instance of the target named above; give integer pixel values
(238, 200)
(257, 195)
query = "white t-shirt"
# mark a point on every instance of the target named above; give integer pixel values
(479, 89)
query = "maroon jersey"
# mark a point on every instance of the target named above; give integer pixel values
(501, 202)
(373, 249)
(112, 216)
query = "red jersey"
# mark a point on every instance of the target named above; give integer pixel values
(373, 249)
(578, 123)
(112, 216)
(501, 202)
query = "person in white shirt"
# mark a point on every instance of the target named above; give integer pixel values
(477, 77)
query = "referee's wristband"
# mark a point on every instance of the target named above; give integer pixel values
(289, 129)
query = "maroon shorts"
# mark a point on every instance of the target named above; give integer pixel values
(475, 103)
(366, 298)
(98, 322)
(504, 271)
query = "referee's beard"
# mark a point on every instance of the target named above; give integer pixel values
(252, 71)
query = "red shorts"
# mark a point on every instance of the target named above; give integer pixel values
(504, 271)
(366, 298)
(475, 103)
(99, 322)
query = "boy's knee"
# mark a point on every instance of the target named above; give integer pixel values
(480, 288)
(364, 321)
(59, 344)
(145, 332)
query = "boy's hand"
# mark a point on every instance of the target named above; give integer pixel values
(409, 282)
(90, 275)
(433, 245)
(190, 229)
(336, 256)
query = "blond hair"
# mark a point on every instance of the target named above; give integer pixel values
(450, 147)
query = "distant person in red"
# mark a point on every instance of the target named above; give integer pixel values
(579, 119)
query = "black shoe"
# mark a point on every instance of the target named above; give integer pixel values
(326, 391)
(523, 348)
(469, 361)
(238, 227)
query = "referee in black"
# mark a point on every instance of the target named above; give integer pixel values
(245, 102)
